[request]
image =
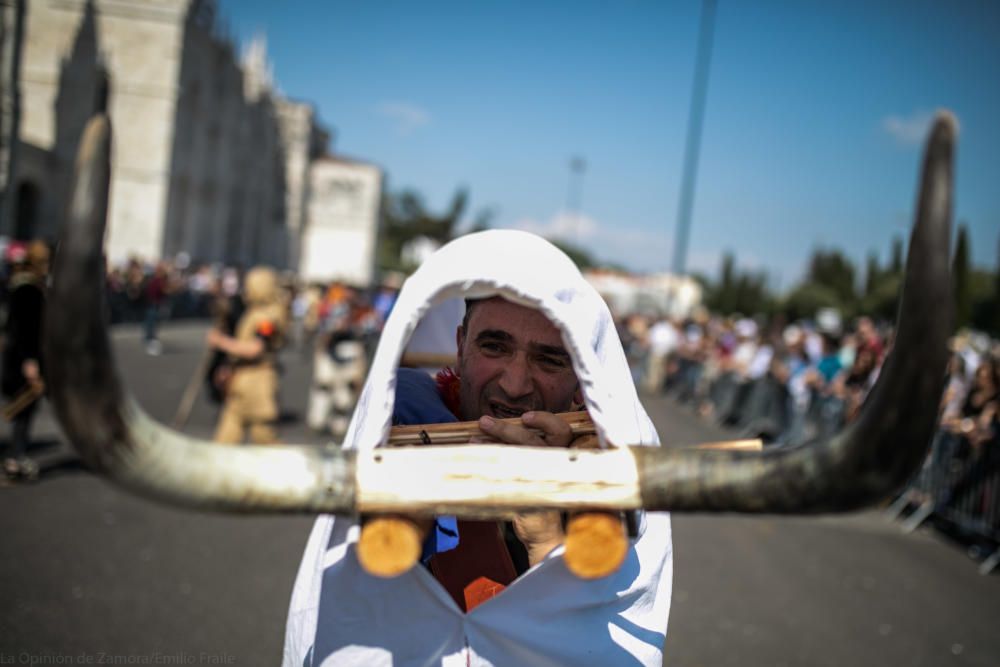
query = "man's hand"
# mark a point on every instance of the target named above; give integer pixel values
(540, 429)
(32, 374)
(243, 349)
(540, 532)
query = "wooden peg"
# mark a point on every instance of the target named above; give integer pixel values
(389, 545)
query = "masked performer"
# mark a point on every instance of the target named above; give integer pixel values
(536, 339)
(251, 393)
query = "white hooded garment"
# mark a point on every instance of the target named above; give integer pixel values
(340, 615)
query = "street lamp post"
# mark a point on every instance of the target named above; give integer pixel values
(692, 146)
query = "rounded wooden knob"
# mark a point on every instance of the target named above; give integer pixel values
(596, 544)
(389, 546)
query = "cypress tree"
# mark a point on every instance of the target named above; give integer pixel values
(871, 274)
(961, 279)
(897, 255)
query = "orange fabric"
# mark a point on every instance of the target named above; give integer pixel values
(479, 591)
(478, 568)
(265, 327)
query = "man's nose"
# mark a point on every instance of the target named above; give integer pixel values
(515, 381)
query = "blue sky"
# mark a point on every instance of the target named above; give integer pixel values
(812, 131)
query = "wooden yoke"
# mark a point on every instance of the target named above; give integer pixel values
(391, 545)
(596, 541)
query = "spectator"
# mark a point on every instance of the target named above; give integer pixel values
(663, 339)
(155, 293)
(23, 367)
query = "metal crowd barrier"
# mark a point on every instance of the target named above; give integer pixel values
(961, 486)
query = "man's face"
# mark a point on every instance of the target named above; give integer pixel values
(866, 330)
(511, 360)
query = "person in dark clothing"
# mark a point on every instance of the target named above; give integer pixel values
(227, 312)
(155, 293)
(975, 440)
(22, 359)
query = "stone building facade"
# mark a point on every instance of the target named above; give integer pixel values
(344, 196)
(209, 159)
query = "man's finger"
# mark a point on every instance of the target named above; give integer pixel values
(511, 433)
(557, 433)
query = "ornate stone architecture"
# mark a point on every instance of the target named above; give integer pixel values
(209, 158)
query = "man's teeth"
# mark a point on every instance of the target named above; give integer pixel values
(504, 412)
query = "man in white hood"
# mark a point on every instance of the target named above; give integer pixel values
(536, 340)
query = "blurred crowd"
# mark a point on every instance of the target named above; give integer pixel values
(791, 383)
(151, 292)
(785, 384)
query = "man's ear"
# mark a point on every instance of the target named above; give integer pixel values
(578, 397)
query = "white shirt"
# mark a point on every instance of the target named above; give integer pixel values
(663, 338)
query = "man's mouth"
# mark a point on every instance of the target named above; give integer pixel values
(501, 411)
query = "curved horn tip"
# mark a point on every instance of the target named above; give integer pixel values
(98, 120)
(944, 126)
(98, 129)
(946, 121)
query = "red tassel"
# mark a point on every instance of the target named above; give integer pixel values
(448, 384)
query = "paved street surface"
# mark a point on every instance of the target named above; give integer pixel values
(91, 573)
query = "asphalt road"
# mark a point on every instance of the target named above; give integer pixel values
(92, 575)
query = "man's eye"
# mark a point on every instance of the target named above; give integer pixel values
(553, 362)
(491, 348)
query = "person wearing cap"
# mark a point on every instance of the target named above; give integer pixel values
(22, 380)
(251, 393)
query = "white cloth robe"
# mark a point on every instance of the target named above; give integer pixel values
(340, 615)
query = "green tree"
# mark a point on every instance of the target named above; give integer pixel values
(872, 274)
(752, 295)
(727, 284)
(719, 296)
(896, 265)
(960, 279)
(882, 286)
(405, 217)
(983, 301)
(580, 256)
(835, 272)
(805, 300)
(738, 291)
(882, 301)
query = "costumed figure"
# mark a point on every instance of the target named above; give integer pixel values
(22, 360)
(537, 339)
(251, 392)
(339, 365)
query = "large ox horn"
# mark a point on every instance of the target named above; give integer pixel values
(870, 460)
(109, 429)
